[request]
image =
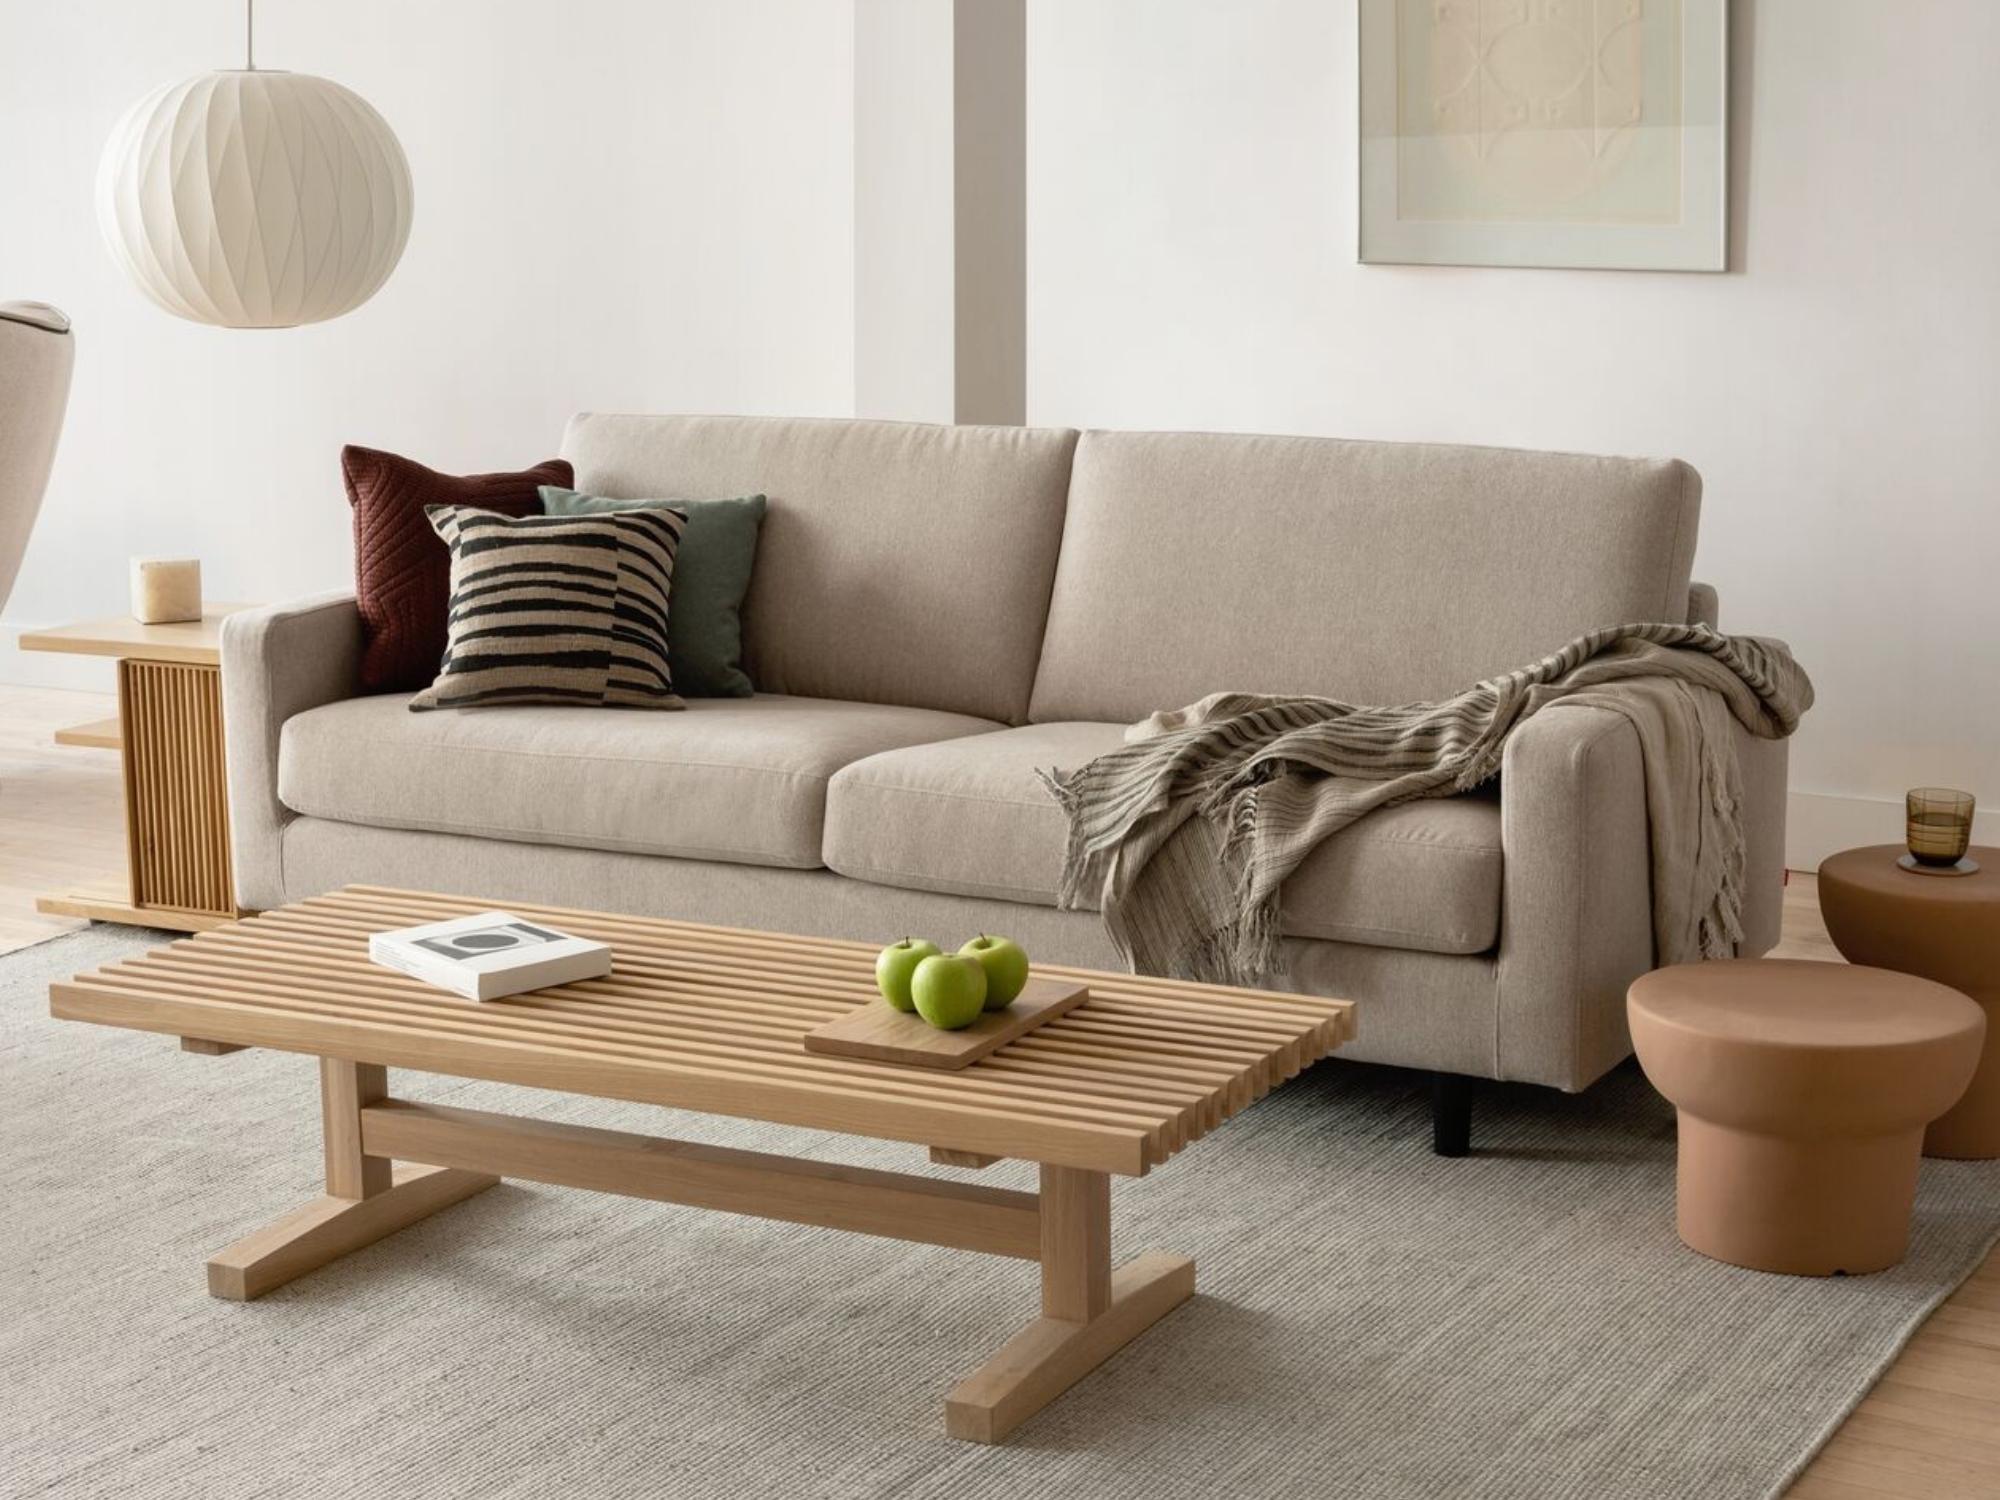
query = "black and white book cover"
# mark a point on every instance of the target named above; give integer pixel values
(490, 955)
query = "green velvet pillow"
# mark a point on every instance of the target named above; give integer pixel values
(711, 576)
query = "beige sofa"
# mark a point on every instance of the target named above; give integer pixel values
(939, 611)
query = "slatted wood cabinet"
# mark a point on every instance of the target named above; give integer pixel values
(169, 730)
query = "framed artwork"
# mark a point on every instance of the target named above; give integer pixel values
(1586, 133)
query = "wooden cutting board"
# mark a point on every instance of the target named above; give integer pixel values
(881, 1033)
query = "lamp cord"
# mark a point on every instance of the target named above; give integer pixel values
(250, 35)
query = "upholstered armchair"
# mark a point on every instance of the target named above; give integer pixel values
(37, 351)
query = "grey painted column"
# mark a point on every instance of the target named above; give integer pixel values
(940, 225)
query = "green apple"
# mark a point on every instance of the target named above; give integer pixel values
(950, 991)
(895, 964)
(1006, 964)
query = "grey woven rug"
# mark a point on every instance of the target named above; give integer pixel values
(1371, 1321)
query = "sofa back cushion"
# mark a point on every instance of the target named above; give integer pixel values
(1195, 563)
(898, 563)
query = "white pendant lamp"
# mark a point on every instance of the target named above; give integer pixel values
(255, 199)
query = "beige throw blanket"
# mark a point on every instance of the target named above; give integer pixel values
(1184, 835)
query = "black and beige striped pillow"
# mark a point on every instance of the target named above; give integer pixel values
(556, 609)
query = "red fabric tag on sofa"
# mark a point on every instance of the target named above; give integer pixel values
(402, 572)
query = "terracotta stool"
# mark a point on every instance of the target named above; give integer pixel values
(1803, 1091)
(1944, 927)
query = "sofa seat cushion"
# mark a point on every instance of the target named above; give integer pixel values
(739, 779)
(969, 817)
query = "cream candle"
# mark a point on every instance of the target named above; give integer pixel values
(166, 590)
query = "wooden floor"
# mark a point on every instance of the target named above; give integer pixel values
(1929, 1431)
(62, 820)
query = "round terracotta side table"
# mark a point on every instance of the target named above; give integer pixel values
(1802, 1090)
(1943, 927)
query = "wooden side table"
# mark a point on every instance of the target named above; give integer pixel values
(1942, 927)
(169, 728)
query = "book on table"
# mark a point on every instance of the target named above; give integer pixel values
(490, 955)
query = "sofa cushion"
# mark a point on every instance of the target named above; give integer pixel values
(556, 609)
(898, 563)
(402, 572)
(731, 778)
(712, 569)
(1195, 563)
(969, 817)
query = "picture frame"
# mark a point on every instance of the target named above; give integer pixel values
(1586, 134)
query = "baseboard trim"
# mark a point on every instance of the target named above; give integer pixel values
(1820, 823)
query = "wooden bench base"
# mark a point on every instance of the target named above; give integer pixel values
(1088, 1314)
(1052, 1354)
(328, 1228)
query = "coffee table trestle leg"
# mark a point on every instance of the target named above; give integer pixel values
(367, 1197)
(1089, 1312)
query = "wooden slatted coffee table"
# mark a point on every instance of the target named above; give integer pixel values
(711, 1019)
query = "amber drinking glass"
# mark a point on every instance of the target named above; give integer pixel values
(1940, 825)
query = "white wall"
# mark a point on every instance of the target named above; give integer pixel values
(649, 204)
(620, 204)
(1191, 263)
(904, 232)
(939, 213)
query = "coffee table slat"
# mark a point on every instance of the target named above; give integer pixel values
(711, 1019)
(556, 1017)
(786, 948)
(712, 1091)
(842, 960)
(508, 1025)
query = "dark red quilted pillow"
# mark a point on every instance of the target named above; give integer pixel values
(402, 572)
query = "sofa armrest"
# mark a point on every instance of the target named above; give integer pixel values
(1576, 916)
(1704, 606)
(276, 662)
(1766, 765)
(1576, 919)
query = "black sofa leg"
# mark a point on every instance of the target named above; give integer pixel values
(1451, 1114)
